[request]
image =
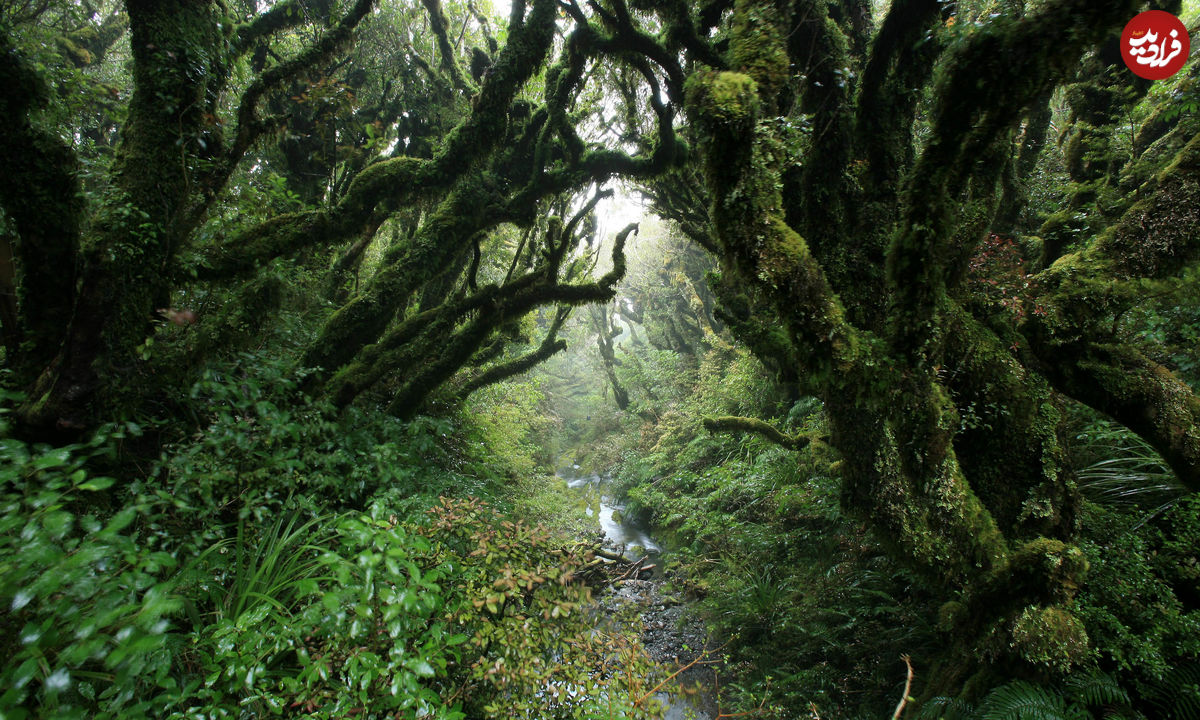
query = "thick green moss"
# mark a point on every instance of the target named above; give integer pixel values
(723, 98)
(1010, 437)
(758, 48)
(407, 267)
(1050, 638)
(951, 615)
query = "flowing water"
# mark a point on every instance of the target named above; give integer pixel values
(621, 533)
(671, 635)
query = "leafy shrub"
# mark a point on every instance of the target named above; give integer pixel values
(357, 633)
(259, 440)
(1083, 696)
(534, 649)
(270, 565)
(86, 599)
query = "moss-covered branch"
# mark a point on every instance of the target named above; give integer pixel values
(743, 182)
(88, 46)
(476, 202)
(280, 16)
(1101, 99)
(819, 48)
(1010, 442)
(1081, 293)
(1020, 171)
(605, 333)
(454, 352)
(249, 126)
(1017, 61)
(435, 344)
(734, 424)
(901, 59)
(1155, 237)
(449, 62)
(498, 373)
(470, 207)
(1137, 392)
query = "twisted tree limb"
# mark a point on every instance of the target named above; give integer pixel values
(498, 373)
(735, 424)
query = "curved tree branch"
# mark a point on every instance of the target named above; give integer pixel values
(249, 126)
(503, 371)
(1017, 61)
(734, 424)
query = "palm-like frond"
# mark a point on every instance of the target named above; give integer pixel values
(1177, 695)
(945, 708)
(1096, 688)
(1024, 701)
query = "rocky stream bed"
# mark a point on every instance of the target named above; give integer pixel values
(671, 632)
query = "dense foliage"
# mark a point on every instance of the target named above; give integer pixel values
(292, 561)
(805, 599)
(301, 302)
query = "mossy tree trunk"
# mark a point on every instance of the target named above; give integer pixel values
(950, 426)
(179, 66)
(40, 192)
(606, 332)
(97, 292)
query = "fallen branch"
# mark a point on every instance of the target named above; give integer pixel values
(633, 569)
(701, 659)
(608, 555)
(608, 567)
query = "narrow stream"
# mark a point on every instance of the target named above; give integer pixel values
(621, 533)
(671, 635)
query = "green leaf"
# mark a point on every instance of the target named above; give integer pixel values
(100, 483)
(121, 520)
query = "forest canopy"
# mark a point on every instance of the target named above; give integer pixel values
(247, 248)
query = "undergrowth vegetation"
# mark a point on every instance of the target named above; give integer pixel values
(282, 559)
(813, 614)
(302, 303)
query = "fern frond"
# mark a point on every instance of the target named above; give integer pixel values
(1177, 695)
(1096, 688)
(1023, 701)
(945, 708)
